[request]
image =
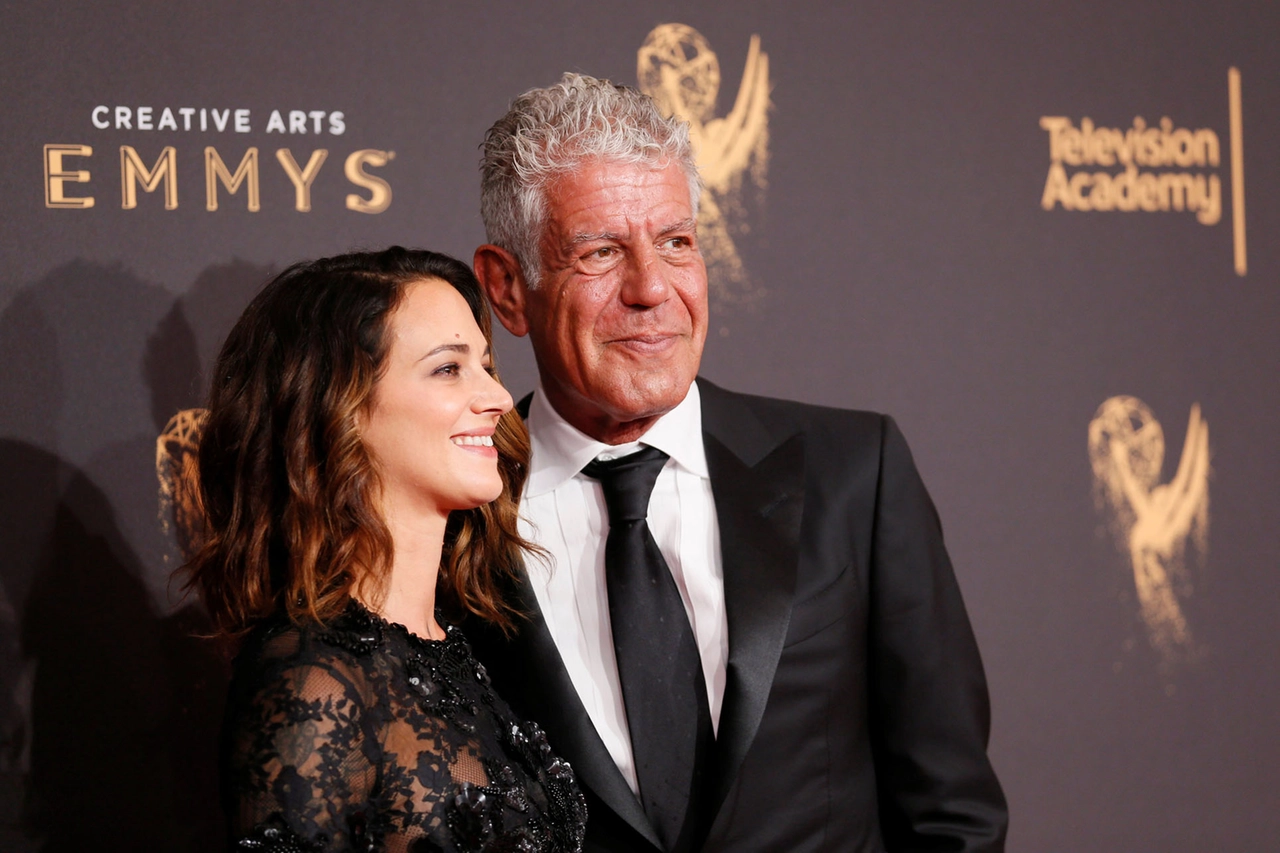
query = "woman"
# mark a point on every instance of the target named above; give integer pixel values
(358, 471)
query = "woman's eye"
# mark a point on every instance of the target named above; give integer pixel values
(447, 370)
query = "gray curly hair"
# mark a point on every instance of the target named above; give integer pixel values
(548, 132)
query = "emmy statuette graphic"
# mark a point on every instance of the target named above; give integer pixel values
(176, 469)
(1153, 522)
(678, 69)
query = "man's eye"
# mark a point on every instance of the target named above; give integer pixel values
(600, 254)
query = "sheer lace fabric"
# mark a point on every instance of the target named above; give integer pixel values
(361, 736)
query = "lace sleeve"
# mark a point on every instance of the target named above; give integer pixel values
(301, 760)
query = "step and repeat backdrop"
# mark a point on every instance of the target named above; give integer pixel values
(1040, 235)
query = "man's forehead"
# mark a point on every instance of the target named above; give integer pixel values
(606, 167)
(621, 191)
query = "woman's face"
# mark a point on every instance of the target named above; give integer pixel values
(430, 425)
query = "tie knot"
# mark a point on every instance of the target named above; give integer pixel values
(628, 482)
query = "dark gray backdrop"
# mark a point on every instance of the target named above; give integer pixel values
(908, 267)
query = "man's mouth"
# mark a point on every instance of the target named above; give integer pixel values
(642, 342)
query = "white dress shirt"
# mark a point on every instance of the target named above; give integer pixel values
(564, 512)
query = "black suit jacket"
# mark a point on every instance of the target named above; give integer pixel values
(855, 713)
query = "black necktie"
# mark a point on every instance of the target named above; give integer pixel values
(658, 662)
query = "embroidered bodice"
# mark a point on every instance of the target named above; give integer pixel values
(360, 736)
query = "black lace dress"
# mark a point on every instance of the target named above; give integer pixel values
(360, 736)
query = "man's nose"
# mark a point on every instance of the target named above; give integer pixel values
(646, 284)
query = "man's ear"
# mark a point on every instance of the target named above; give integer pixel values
(500, 276)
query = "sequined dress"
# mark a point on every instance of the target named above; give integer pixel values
(360, 736)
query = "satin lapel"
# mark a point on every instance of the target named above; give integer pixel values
(533, 668)
(759, 496)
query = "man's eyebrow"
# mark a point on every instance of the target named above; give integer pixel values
(685, 225)
(689, 224)
(591, 237)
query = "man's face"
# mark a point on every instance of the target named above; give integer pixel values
(619, 317)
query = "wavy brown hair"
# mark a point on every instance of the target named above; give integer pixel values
(288, 490)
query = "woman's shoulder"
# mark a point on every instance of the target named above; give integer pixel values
(344, 654)
(352, 634)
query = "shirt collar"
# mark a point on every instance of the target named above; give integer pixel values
(559, 451)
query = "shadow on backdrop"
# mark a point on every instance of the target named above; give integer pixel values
(109, 703)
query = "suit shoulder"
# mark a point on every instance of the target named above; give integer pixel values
(785, 415)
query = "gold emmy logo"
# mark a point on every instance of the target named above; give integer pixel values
(678, 69)
(162, 176)
(1153, 522)
(176, 469)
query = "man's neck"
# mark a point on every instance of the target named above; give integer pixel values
(613, 432)
(559, 449)
(599, 425)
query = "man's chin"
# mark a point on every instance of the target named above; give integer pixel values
(625, 403)
(646, 400)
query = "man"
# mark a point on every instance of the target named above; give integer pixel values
(828, 690)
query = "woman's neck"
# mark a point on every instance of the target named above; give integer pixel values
(410, 597)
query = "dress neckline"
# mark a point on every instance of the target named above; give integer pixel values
(400, 630)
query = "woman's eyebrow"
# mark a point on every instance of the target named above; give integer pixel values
(458, 348)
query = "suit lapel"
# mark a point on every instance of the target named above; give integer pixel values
(531, 668)
(758, 484)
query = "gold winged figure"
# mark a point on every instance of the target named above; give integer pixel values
(678, 69)
(176, 469)
(1153, 522)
